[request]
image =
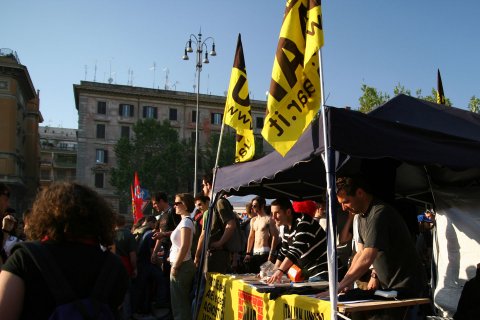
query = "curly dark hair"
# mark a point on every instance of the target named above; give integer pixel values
(66, 210)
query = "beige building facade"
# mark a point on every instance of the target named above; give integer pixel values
(19, 119)
(58, 155)
(107, 112)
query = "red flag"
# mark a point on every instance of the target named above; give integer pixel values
(137, 199)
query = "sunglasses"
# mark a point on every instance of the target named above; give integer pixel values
(177, 203)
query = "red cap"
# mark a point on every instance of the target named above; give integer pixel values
(308, 207)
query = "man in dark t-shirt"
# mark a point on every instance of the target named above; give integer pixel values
(385, 242)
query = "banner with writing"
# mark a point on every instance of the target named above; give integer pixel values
(295, 93)
(237, 108)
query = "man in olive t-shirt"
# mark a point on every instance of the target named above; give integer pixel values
(222, 230)
(384, 242)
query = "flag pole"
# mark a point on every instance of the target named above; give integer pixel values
(203, 261)
(330, 200)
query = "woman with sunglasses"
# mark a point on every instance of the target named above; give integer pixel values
(183, 269)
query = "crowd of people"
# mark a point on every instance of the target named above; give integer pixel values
(158, 256)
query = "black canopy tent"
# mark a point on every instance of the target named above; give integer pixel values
(403, 151)
(354, 136)
(431, 116)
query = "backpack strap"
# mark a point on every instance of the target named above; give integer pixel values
(59, 287)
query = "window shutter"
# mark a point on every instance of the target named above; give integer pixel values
(131, 110)
(155, 112)
(144, 111)
(105, 156)
(119, 109)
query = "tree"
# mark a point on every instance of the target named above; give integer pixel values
(371, 98)
(227, 151)
(399, 89)
(155, 152)
(474, 104)
(432, 97)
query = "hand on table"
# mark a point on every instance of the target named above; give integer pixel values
(276, 277)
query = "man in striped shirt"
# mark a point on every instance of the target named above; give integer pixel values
(303, 243)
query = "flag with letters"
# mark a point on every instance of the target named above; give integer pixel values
(137, 199)
(294, 97)
(237, 108)
(440, 94)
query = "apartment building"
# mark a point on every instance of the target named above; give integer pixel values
(19, 119)
(58, 155)
(107, 112)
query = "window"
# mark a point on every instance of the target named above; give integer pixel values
(101, 156)
(125, 110)
(216, 118)
(173, 114)
(102, 107)
(125, 133)
(100, 131)
(99, 180)
(259, 123)
(194, 116)
(150, 112)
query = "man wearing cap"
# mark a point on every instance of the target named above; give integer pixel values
(303, 243)
(385, 242)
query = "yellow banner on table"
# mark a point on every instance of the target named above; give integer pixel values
(298, 307)
(295, 91)
(217, 291)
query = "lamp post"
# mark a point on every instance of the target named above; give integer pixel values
(200, 46)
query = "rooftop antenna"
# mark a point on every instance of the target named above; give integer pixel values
(86, 71)
(174, 85)
(166, 78)
(130, 77)
(208, 83)
(153, 68)
(95, 72)
(110, 80)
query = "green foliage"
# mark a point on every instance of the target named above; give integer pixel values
(155, 152)
(227, 152)
(432, 97)
(399, 89)
(371, 98)
(474, 104)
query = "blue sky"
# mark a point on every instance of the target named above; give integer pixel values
(377, 42)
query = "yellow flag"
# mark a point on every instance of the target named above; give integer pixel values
(440, 94)
(237, 108)
(294, 96)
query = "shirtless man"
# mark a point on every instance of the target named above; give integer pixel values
(263, 237)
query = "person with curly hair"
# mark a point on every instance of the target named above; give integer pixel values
(69, 223)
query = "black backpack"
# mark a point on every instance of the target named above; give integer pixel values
(68, 305)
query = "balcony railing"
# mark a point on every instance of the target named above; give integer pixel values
(5, 52)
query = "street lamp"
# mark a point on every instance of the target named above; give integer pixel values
(200, 45)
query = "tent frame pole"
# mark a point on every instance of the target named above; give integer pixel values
(330, 200)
